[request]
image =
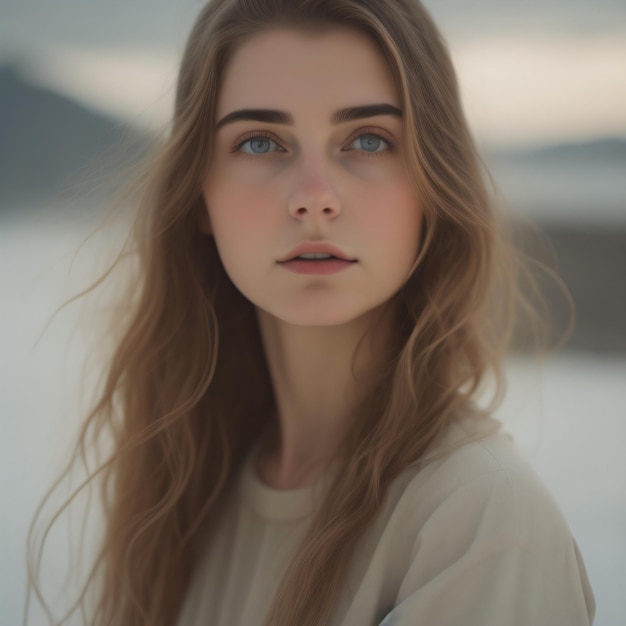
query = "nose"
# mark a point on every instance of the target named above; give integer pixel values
(313, 195)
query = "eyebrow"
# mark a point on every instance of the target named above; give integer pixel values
(272, 116)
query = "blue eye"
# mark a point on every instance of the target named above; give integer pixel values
(371, 143)
(258, 145)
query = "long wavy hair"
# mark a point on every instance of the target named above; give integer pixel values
(171, 404)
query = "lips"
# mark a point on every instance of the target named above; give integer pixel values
(319, 267)
(308, 247)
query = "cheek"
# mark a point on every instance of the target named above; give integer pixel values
(237, 208)
(392, 213)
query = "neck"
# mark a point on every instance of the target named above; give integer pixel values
(319, 377)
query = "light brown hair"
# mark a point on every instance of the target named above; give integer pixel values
(172, 402)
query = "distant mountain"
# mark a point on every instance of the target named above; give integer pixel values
(607, 149)
(50, 145)
(591, 261)
(573, 183)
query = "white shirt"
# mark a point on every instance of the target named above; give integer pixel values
(471, 539)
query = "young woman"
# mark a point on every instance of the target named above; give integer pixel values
(324, 288)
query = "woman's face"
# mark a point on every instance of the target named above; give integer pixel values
(303, 176)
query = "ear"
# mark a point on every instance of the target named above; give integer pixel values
(204, 220)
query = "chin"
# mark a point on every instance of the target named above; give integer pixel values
(315, 316)
(318, 321)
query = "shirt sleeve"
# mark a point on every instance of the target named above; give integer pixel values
(496, 552)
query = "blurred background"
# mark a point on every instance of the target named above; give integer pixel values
(544, 86)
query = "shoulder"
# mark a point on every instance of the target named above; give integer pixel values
(479, 526)
(478, 481)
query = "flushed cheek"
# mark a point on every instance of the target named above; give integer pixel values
(241, 208)
(239, 221)
(391, 212)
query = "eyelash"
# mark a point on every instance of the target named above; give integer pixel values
(266, 135)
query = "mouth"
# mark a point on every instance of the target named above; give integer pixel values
(306, 265)
(318, 258)
(317, 252)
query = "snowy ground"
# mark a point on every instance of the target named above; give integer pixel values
(568, 417)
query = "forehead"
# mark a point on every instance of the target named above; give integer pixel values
(306, 72)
